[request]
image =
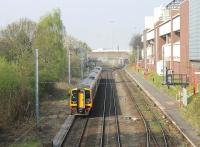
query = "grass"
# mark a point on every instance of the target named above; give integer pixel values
(192, 112)
(155, 126)
(157, 81)
(29, 143)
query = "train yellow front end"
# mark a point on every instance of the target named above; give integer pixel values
(81, 101)
(82, 97)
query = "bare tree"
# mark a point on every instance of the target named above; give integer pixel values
(16, 39)
(136, 41)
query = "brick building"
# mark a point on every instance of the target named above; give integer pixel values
(166, 39)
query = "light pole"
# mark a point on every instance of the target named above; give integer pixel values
(137, 55)
(145, 49)
(112, 36)
(87, 62)
(69, 67)
(82, 66)
(152, 60)
(137, 47)
(36, 89)
(163, 54)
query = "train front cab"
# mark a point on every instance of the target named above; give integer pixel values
(73, 100)
(81, 101)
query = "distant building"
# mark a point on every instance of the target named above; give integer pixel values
(110, 56)
(161, 38)
(172, 39)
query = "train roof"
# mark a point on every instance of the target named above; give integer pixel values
(86, 82)
(98, 68)
(91, 79)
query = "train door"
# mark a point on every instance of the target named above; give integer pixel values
(73, 97)
(73, 100)
(88, 99)
(81, 101)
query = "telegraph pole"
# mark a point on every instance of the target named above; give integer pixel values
(69, 67)
(163, 54)
(82, 70)
(112, 34)
(36, 89)
(87, 63)
(119, 62)
(137, 55)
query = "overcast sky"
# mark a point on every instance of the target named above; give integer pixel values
(92, 21)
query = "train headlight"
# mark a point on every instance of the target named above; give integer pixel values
(88, 101)
(74, 102)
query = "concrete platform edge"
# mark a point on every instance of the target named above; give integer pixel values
(60, 136)
(161, 108)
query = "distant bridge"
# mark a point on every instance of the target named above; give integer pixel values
(113, 57)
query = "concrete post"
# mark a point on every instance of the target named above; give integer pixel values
(69, 68)
(36, 89)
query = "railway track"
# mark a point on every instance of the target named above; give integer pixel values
(110, 121)
(148, 116)
(102, 128)
(77, 130)
(114, 90)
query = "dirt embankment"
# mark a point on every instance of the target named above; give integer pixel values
(53, 111)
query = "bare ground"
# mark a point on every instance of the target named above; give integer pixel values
(131, 126)
(53, 111)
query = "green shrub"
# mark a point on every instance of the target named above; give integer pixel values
(158, 80)
(192, 111)
(15, 93)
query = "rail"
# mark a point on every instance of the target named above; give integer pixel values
(113, 89)
(139, 111)
(76, 132)
(149, 134)
(103, 117)
(82, 133)
(60, 136)
(159, 123)
(108, 83)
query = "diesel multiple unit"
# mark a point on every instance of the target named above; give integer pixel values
(81, 98)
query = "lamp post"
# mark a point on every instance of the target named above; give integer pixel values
(137, 55)
(163, 54)
(112, 36)
(152, 53)
(36, 89)
(82, 65)
(69, 66)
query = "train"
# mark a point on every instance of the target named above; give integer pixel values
(82, 97)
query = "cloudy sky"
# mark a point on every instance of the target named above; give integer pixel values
(100, 23)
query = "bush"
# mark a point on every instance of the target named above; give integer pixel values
(17, 43)
(15, 92)
(192, 111)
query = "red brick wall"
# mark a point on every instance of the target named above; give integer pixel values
(184, 38)
(176, 67)
(158, 42)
